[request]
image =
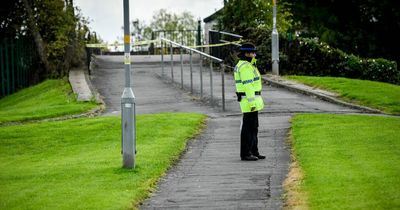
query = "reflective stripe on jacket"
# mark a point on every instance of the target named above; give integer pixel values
(248, 81)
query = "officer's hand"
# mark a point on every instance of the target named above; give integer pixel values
(253, 109)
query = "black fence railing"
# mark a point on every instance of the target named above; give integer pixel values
(17, 58)
(225, 52)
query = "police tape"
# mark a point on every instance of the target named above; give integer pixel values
(216, 45)
(147, 42)
(96, 45)
(137, 43)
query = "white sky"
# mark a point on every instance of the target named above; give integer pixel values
(106, 16)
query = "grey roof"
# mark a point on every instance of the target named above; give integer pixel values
(214, 16)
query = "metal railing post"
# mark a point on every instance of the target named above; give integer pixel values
(211, 82)
(201, 55)
(162, 59)
(181, 67)
(223, 85)
(191, 73)
(172, 63)
(201, 76)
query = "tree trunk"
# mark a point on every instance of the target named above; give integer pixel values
(36, 36)
(69, 52)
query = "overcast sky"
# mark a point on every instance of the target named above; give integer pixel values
(106, 16)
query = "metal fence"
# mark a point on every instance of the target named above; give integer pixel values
(223, 52)
(183, 37)
(171, 45)
(16, 61)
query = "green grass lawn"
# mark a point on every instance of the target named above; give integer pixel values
(51, 98)
(348, 162)
(76, 164)
(379, 95)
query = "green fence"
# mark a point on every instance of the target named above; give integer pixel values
(16, 62)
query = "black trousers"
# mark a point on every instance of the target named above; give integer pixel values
(248, 135)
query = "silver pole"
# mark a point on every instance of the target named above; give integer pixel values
(128, 102)
(201, 76)
(172, 64)
(211, 82)
(181, 68)
(223, 85)
(162, 59)
(191, 73)
(275, 42)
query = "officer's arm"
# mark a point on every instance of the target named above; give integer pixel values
(247, 76)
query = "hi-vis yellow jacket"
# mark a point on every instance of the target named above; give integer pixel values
(248, 84)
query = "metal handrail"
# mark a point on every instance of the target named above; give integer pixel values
(227, 33)
(191, 51)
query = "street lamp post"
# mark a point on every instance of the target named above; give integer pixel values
(275, 42)
(128, 118)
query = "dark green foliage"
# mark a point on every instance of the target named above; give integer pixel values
(262, 39)
(368, 28)
(253, 20)
(363, 28)
(240, 15)
(310, 57)
(58, 31)
(381, 70)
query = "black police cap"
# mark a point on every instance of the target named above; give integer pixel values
(248, 47)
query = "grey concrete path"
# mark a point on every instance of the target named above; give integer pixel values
(152, 94)
(210, 174)
(77, 79)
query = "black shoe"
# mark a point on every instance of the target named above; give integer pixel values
(260, 156)
(250, 158)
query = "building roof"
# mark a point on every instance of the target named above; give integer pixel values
(214, 16)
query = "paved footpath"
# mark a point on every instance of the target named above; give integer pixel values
(210, 174)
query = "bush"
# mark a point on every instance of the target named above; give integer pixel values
(309, 57)
(381, 70)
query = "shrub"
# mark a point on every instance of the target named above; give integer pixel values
(309, 57)
(381, 70)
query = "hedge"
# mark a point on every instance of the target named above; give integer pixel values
(305, 56)
(308, 56)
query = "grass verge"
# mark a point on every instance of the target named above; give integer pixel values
(51, 98)
(348, 162)
(379, 95)
(76, 164)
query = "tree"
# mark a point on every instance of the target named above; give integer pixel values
(162, 20)
(12, 16)
(53, 25)
(368, 28)
(240, 15)
(253, 20)
(168, 25)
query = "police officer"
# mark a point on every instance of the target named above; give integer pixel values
(248, 91)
